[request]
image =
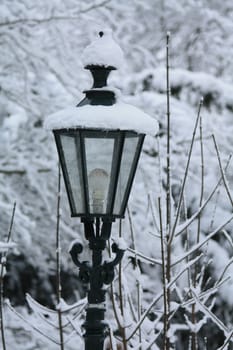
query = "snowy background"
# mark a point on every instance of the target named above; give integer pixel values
(41, 72)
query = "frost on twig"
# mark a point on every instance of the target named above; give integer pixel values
(44, 320)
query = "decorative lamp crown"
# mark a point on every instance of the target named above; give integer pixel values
(101, 57)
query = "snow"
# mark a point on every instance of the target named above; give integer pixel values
(122, 245)
(5, 246)
(41, 72)
(120, 116)
(104, 51)
(202, 83)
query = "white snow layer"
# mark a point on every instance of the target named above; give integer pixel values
(5, 246)
(120, 116)
(122, 245)
(104, 51)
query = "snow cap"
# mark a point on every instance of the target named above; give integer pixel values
(120, 116)
(104, 51)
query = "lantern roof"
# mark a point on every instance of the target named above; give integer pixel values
(104, 51)
(119, 116)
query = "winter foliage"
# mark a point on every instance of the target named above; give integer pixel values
(174, 288)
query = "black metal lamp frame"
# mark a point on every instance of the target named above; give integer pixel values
(97, 275)
(97, 227)
(119, 137)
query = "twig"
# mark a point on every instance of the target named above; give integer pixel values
(139, 310)
(227, 341)
(208, 292)
(222, 171)
(186, 172)
(114, 306)
(165, 302)
(112, 340)
(159, 296)
(3, 261)
(58, 266)
(202, 180)
(153, 213)
(200, 244)
(138, 285)
(167, 264)
(121, 295)
(53, 18)
(206, 310)
(225, 269)
(198, 212)
(228, 237)
(131, 229)
(214, 210)
(144, 257)
(168, 168)
(194, 341)
(31, 325)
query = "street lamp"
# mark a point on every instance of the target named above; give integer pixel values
(99, 144)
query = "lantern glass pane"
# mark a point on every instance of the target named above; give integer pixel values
(99, 153)
(70, 147)
(128, 156)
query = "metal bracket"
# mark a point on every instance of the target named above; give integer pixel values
(106, 270)
(108, 267)
(84, 266)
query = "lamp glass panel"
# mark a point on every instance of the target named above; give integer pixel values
(128, 155)
(70, 147)
(99, 153)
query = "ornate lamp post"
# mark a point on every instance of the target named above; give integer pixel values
(99, 144)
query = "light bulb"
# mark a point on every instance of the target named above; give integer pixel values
(98, 183)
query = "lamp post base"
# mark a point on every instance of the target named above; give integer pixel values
(96, 329)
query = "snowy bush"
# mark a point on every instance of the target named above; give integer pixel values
(173, 289)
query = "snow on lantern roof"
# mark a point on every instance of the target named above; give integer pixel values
(103, 51)
(119, 116)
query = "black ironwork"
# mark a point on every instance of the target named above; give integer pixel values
(99, 94)
(116, 167)
(80, 135)
(132, 174)
(64, 172)
(97, 275)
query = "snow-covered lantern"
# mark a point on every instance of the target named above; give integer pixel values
(99, 144)
(99, 141)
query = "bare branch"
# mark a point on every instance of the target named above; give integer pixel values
(37, 21)
(206, 310)
(159, 296)
(222, 171)
(227, 341)
(186, 172)
(144, 257)
(183, 226)
(58, 264)
(168, 167)
(30, 324)
(2, 263)
(206, 293)
(200, 244)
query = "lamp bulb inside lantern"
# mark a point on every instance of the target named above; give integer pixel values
(98, 183)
